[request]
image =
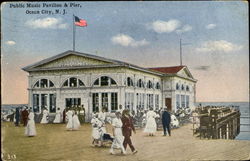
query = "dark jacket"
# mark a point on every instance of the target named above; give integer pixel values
(166, 118)
(127, 126)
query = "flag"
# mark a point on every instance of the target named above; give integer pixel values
(80, 22)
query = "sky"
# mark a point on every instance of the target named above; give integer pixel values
(214, 37)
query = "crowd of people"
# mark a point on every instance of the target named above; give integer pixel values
(123, 123)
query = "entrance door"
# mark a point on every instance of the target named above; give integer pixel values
(168, 103)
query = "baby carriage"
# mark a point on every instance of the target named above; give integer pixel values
(106, 138)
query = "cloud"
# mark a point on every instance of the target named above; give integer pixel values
(10, 43)
(126, 40)
(211, 26)
(160, 26)
(202, 67)
(185, 28)
(218, 46)
(46, 23)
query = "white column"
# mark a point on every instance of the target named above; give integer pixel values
(109, 102)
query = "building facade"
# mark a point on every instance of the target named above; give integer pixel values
(73, 78)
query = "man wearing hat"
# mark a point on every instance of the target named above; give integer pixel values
(166, 120)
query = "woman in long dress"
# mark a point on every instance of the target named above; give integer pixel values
(45, 116)
(151, 124)
(117, 133)
(69, 115)
(58, 116)
(76, 122)
(96, 133)
(30, 129)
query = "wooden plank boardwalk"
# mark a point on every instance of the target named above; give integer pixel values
(53, 142)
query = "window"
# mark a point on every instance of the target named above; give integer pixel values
(73, 82)
(177, 86)
(150, 100)
(187, 101)
(157, 101)
(129, 100)
(187, 88)
(114, 103)
(140, 100)
(182, 87)
(177, 101)
(72, 101)
(104, 81)
(149, 84)
(95, 99)
(183, 101)
(129, 82)
(44, 83)
(105, 100)
(157, 86)
(36, 103)
(140, 84)
(52, 103)
(44, 98)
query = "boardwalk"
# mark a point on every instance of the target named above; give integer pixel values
(54, 143)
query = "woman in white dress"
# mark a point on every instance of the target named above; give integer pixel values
(69, 115)
(58, 116)
(151, 124)
(45, 116)
(96, 132)
(30, 129)
(76, 122)
(117, 133)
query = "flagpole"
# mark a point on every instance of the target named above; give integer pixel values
(74, 31)
(180, 53)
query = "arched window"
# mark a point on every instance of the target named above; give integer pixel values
(177, 86)
(73, 82)
(140, 83)
(104, 81)
(130, 82)
(157, 86)
(187, 88)
(149, 84)
(44, 83)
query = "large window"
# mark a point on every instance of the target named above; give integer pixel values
(52, 103)
(104, 81)
(140, 100)
(44, 83)
(150, 99)
(130, 82)
(95, 100)
(114, 103)
(178, 101)
(73, 82)
(36, 107)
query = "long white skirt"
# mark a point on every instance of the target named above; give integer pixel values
(76, 123)
(30, 129)
(118, 140)
(44, 119)
(70, 123)
(57, 118)
(150, 126)
(96, 134)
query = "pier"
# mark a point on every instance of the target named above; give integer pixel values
(216, 122)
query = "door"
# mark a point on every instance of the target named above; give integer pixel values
(168, 103)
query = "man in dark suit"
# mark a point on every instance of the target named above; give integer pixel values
(166, 120)
(25, 115)
(17, 116)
